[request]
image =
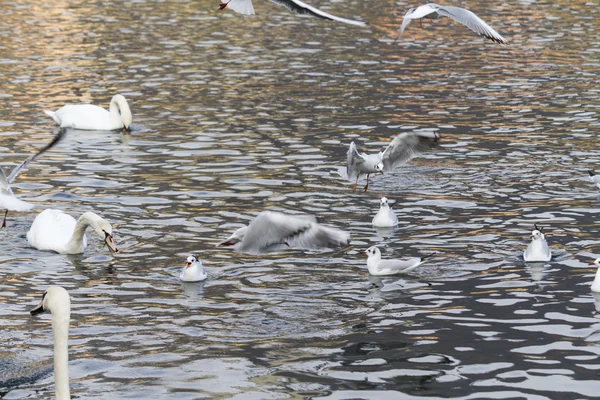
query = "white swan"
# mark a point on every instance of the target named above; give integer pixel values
(386, 217)
(193, 271)
(56, 300)
(8, 201)
(94, 118)
(54, 230)
(538, 249)
(596, 283)
(377, 266)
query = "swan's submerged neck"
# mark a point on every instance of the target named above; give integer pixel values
(119, 111)
(60, 327)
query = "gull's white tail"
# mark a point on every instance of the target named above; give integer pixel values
(52, 115)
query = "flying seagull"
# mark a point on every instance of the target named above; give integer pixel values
(462, 15)
(404, 147)
(8, 201)
(296, 6)
(272, 231)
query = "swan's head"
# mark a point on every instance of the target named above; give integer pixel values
(190, 261)
(379, 167)
(124, 110)
(103, 228)
(235, 238)
(372, 251)
(384, 202)
(56, 300)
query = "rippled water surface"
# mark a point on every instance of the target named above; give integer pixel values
(234, 115)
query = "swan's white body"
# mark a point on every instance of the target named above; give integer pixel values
(386, 217)
(8, 201)
(596, 283)
(54, 230)
(380, 267)
(91, 117)
(461, 15)
(57, 301)
(296, 6)
(538, 249)
(193, 271)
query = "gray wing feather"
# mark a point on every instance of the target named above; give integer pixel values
(472, 21)
(57, 138)
(302, 8)
(319, 237)
(4, 186)
(270, 229)
(355, 159)
(400, 266)
(406, 146)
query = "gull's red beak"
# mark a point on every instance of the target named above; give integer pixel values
(381, 171)
(222, 5)
(188, 265)
(363, 252)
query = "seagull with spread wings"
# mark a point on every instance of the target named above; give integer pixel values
(272, 231)
(404, 147)
(8, 201)
(461, 15)
(296, 6)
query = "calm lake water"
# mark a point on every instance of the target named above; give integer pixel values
(234, 115)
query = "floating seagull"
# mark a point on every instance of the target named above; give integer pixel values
(93, 118)
(404, 147)
(193, 271)
(56, 300)
(596, 283)
(538, 249)
(462, 15)
(594, 178)
(296, 6)
(386, 217)
(54, 230)
(271, 231)
(377, 266)
(8, 201)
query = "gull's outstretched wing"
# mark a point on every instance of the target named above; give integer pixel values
(355, 159)
(406, 146)
(415, 13)
(57, 138)
(271, 228)
(319, 237)
(472, 21)
(4, 186)
(300, 7)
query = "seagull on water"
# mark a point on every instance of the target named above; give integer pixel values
(272, 231)
(386, 217)
(538, 249)
(404, 147)
(377, 266)
(296, 6)
(594, 178)
(193, 271)
(8, 201)
(462, 15)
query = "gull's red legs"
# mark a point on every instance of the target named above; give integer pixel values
(223, 5)
(4, 221)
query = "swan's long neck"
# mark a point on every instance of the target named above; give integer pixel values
(60, 327)
(119, 110)
(76, 241)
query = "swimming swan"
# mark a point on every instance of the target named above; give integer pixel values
(54, 230)
(193, 271)
(93, 118)
(8, 201)
(56, 300)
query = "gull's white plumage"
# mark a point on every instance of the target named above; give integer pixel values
(91, 117)
(538, 249)
(56, 300)
(54, 230)
(403, 147)
(385, 217)
(193, 271)
(8, 201)
(594, 178)
(596, 283)
(461, 15)
(377, 266)
(272, 231)
(296, 6)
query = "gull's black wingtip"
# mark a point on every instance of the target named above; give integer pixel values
(592, 174)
